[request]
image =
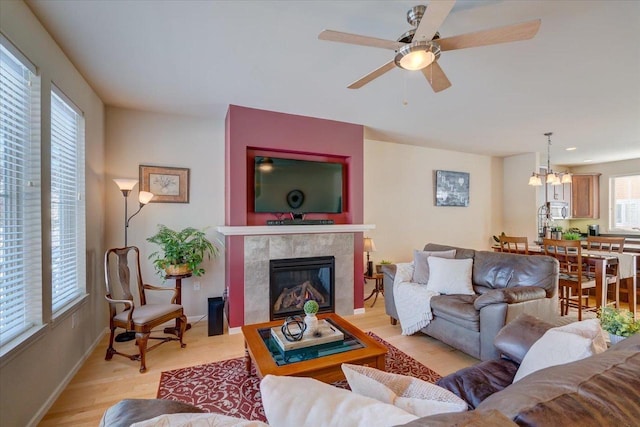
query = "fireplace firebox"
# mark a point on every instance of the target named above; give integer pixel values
(293, 281)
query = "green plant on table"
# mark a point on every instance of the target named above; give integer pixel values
(311, 307)
(618, 322)
(571, 236)
(385, 262)
(188, 246)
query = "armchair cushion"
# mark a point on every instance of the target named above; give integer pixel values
(148, 312)
(457, 309)
(516, 338)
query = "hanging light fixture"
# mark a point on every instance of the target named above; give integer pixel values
(551, 177)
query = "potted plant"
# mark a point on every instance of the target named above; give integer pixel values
(620, 324)
(310, 308)
(181, 252)
(571, 236)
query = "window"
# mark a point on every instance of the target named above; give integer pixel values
(20, 209)
(625, 203)
(67, 202)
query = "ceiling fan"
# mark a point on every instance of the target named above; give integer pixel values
(420, 47)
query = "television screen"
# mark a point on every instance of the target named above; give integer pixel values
(301, 186)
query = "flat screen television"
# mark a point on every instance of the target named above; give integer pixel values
(299, 186)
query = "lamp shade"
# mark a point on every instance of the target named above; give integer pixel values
(145, 197)
(566, 178)
(535, 180)
(125, 184)
(369, 246)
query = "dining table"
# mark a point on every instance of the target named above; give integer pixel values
(626, 264)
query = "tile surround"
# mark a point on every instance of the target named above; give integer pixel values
(258, 250)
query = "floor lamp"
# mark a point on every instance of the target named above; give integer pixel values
(144, 197)
(369, 246)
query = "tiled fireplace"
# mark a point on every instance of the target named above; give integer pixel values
(260, 250)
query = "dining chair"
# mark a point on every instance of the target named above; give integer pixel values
(608, 244)
(572, 280)
(515, 245)
(141, 317)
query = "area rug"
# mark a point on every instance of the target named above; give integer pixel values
(224, 387)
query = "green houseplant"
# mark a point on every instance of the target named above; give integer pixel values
(182, 251)
(571, 236)
(618, 323)
(382, 262)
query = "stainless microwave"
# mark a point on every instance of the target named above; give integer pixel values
(559, 210)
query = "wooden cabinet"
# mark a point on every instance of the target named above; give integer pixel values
(585, 196)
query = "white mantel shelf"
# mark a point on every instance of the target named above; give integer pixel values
(252, 230)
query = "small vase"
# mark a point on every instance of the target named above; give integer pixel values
(615, 338)
(312, 324)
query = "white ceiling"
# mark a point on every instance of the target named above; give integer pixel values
(579, 77)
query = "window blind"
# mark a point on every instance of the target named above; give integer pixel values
(67, 202)
(20, 191)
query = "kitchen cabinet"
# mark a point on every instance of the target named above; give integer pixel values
(559, 193)
(585, 196)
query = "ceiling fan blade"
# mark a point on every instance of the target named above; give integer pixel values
(509, 33)
(436, 13)
(337, 36)
(436, 77)
(372, 75)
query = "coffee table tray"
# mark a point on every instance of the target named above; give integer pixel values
(327, 334)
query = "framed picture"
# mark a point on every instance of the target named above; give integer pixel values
(452, 188)
(169, 185)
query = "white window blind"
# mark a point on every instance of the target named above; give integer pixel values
(20, 209)
(625, 203)
(67, 202)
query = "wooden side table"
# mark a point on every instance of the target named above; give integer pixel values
(378, 288)
(178, 278)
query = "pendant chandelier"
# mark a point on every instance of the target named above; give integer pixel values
(551, 177)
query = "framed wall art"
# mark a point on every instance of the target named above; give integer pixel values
(169, 185)
(452, 188)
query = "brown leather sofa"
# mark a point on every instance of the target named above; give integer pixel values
(601, 390)
(505, 284)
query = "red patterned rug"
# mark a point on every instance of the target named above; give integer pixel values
(225, 388)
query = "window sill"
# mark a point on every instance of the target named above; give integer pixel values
(68, 310)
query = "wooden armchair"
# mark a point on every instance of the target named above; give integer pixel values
(140, 318)
(515, 245)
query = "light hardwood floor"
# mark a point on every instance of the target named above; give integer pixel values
(100, 384)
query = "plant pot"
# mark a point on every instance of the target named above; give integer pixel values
(312, 324)
(177, 270)
(378, 269)
(615, 338)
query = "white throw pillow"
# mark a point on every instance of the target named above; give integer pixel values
(410, 394)
(562, 345)
(450, 276)
(295, 402)
(198, 420)
(421, 266)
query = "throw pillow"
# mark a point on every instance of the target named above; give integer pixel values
(193, 420)
(562, 345)
(421, 266)
(450, 276)
(410, 394)
(295, 402)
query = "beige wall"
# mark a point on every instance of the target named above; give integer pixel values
(608, 170)
(31, 376)
(521, 201)
(399, 199)
(143, 138)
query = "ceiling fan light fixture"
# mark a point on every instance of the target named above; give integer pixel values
(416, 56)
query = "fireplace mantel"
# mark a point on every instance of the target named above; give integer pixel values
(255, 230)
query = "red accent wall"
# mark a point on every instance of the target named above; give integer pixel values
(249, 129)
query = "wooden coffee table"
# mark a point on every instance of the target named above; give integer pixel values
(358, 348)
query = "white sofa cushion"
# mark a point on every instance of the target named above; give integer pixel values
(562, 345)
(197, 420)
(450, 276)
(421, 264)
(413, 395)
(295, 402)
